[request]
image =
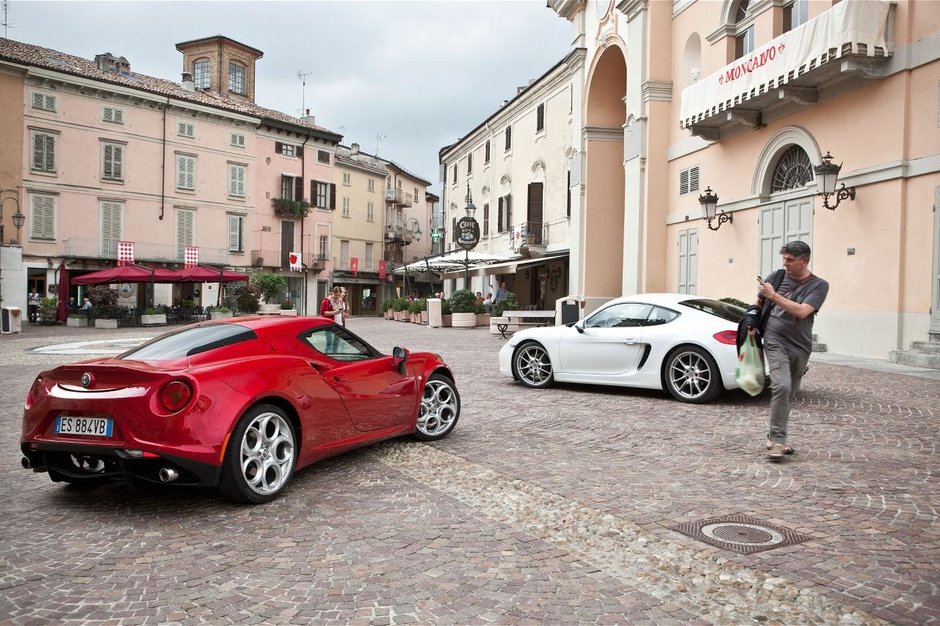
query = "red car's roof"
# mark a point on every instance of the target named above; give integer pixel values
(266, 325)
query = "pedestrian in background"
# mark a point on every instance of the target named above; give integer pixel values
(788, 336)
(32, 305)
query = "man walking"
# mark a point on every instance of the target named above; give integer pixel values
(32, 305)
(788, 336)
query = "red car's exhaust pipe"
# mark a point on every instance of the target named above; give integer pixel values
(168, 474)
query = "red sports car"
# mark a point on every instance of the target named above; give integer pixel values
(239, 404)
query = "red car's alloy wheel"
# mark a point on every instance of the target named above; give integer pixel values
(440, 408)
(260, 457)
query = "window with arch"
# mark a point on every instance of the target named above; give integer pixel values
(793, 170)
(743, 29)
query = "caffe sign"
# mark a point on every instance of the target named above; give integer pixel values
(468, 233)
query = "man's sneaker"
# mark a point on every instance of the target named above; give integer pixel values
(786, 449)
(776, 451)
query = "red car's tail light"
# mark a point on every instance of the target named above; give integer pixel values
(175, 395)
(727, 337)
(33, 392)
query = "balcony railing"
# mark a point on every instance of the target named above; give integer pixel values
(846, 44)
(284, 207)
(149, 252)
(398, 197)
(265, 258)
(528, 234)
(315, 262)
(399, 234)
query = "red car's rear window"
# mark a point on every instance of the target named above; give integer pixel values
(190, 341)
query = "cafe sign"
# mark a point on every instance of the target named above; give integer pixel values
(468, 233)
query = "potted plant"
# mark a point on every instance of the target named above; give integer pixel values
(153, 317)
(414, 308)
(387, 310)
(104, 308)
(271, 286)
(247, 297)
(463, 306)
(47, 310)
(424, 311)
(483, 318)
(218, 313)
(401, 308)
(447, 316)
(287, 308)
(77, 319)
(290, 208)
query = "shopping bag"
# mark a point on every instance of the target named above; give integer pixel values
(750, 371)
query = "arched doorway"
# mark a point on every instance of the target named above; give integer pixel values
(605, 117)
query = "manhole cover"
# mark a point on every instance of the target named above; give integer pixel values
(740, 533)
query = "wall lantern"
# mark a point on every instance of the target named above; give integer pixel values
(827, 175)
(709, 202)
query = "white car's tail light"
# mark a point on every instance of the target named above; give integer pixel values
(727, 337)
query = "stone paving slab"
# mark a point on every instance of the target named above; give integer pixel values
(550, 506)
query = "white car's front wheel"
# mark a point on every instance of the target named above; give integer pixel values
(532, 366)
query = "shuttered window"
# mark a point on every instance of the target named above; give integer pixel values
(43, 152)
(370, 212)
(236, 180)
(112, 161)
(235, 233)
(369, 254)
(42, 216)
(185, 231)
(324, 194)
(346, 207)
(185, 172)
(687, 281)
(44, 102)
(185, 129)
(508, 138)
(110, 114)
(111, 228)
(486, 220)
(540, 118)
(688, 180)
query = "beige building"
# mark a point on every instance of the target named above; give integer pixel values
(516, 167)
(744, 100)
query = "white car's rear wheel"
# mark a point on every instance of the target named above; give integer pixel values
(691, 375)
(532, 366)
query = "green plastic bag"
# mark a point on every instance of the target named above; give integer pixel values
(750, 371)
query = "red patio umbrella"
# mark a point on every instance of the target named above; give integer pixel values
(205, 274)
(131, 273)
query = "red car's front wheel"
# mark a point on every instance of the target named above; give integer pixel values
(440, 408)
(260, 457)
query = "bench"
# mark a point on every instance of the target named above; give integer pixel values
(526, 318)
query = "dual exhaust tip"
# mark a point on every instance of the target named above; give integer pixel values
(166, 474)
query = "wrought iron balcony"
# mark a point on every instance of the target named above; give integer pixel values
(284, 207)
(315, 262)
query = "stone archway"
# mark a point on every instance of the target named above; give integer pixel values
(603, 213)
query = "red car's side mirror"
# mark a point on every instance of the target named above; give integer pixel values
(399, 357)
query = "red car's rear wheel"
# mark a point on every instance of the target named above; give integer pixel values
(260, 457)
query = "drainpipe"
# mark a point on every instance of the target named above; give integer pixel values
(163, 165)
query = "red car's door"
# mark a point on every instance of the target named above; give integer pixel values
(375, 394)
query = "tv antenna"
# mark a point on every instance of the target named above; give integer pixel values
(303, 91)
(378, 142)
(6, 23)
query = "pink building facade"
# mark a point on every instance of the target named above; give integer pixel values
(746, 98)
(107, 155)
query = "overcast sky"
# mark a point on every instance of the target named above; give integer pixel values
(420, 74)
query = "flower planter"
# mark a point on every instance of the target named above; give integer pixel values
(288, 312)
(219, 315)
(105, 323)
(447, 320)
(47, 316)
(77, 322)
(157, 319)
(424, 317)
(483, 319)
(464, 320)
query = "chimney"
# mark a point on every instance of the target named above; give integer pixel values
(354, 149)
(310, 119)
(188, 83)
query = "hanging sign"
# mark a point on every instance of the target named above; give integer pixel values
(468, 233)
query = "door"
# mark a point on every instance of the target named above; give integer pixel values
(780, 224)
(287, 242)
(688, 261)
(375, 394)
(610, 346)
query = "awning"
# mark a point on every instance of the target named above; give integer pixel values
(453, 261)
(508, 267)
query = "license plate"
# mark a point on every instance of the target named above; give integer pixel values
(94, 426)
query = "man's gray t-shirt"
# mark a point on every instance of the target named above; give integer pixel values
(796, 335)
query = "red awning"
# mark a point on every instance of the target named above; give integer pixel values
(203, 274)
(127, 274)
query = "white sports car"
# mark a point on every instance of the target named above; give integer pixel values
(682, 344)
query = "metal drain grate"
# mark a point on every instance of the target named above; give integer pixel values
(741, 533)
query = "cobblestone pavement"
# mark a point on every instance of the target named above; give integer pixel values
(557, 506)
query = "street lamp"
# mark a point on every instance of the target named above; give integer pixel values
(828, 175)
(709, 202)
(18, 218)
